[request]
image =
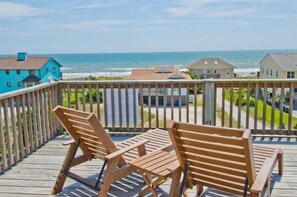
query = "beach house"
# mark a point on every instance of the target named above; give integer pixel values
(25, 71)
(161, 73)
(206, 68)
(278, 66)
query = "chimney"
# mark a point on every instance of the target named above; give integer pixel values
(22, 56)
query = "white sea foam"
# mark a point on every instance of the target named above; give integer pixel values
(97, 74)
(246, 70)
(65, 68)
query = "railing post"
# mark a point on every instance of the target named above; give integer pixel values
(209, 98)
(60, 102)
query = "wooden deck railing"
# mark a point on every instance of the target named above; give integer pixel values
(264, 106)
(26, 121)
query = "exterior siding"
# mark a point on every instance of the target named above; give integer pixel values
(268, 65)
(50, 65)
(13, 78)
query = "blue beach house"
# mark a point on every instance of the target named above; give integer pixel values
(24, 71)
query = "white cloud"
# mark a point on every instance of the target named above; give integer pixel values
(99, 5)
(13, 10)
(97, 25)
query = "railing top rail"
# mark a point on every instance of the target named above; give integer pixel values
(26, 90)
(74, 82)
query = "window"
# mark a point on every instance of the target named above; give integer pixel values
(19, 84)
(290, 75)
(7, 72)
(18, 72)
(31, 72)
(262, 70)
(215, 71)
(8, 84)
(276, 73)
(271, 73)
(47, 70)
(267, 72)
(54, 70)
(228, 72)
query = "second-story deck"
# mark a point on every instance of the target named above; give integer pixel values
(35, 175)
(30, 144)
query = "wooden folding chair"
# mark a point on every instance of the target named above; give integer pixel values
(95, 143)
(223, 159)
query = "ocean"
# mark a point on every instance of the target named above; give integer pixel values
(121, 64)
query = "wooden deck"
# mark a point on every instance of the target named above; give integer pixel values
(36, 174)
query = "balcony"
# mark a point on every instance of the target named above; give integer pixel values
(31, 137)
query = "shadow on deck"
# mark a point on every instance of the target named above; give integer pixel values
(36, 174)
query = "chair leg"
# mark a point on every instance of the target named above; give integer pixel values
(280, 162)
(61, 177)
(199, 189)
(107, 181)
(175, 187)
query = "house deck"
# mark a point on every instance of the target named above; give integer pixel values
(35, 175)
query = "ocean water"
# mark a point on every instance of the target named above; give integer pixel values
(121, 64)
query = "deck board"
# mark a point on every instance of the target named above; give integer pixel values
(35, 175)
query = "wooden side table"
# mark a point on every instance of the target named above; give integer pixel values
(161, 164)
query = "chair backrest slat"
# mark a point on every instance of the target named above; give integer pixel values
(85, 126)
(218, 157)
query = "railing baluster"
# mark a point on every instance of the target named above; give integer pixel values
(2, 141)
(38, 111)
(172, 101)
(149, 105)
(281, 107)
(231, 107)
(127, 106)
(256, 108)
(20, 129)
(239, 106)
(164, 105)
(35, 123)
(120, 106)
(273, 109)
(247, 121)
(76, 96)
(157, 104)
(291, 108)
(105, 106)
(141, 106)
(83, 97)
(29, 114)
(98, 101)
(135, 108)
(42, 97)
(264, 109)
(223, 107)
(91, 97)
(187, 102)
(112, 107)
(7, 129)
(69, 95)
(14, 130)
(195, 103)
(25, 129)
(179, 102)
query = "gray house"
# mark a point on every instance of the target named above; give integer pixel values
(212, 68)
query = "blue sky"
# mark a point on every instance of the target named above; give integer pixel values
(95, 26)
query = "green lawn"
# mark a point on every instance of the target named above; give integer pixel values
(260, 109)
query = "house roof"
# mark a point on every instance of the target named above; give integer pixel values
(284, 61)
(33, 63)
(211, 63)
(157, 73)
(31, 78)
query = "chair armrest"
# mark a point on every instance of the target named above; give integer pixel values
(262, 176)
(68, 142)
(126, 149)
(173, 166)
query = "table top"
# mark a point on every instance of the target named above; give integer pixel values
(155, 163)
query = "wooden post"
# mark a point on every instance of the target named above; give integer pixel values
(209, 103)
